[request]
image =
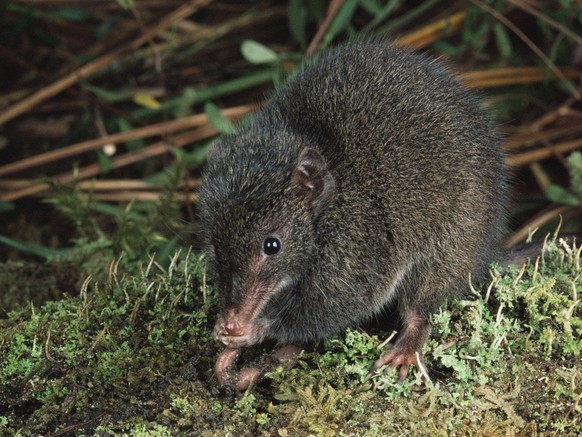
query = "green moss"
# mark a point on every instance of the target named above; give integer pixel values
(133, 354)
(24, 282)
(114, 337)
(487, 356)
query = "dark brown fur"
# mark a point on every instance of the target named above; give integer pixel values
(384, 180)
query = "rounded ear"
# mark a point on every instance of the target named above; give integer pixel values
(312, 177)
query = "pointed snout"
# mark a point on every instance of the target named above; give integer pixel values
(234, 327)
(233, 324)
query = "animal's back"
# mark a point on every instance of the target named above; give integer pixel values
(416, 159)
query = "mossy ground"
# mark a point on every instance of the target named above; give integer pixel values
(130, 352)
(106, 341)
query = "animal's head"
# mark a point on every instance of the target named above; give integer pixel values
(261, 197)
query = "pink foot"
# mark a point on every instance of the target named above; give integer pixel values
(248, 376)
(407, 349)
(400, 361)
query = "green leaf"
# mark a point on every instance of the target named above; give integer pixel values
(111, 96)
(105, 27)
(561, 195)
(502, 40)
(146, 100)
(116, 211)
(104, 161)
(196, 157)
(71, 14)
(185, 102)
(34, 249)
(125, 126)
(382, 14)
(297, 16)
(126, 4)
(257, 53)
(574, 164)
(555, 49)
(217, 120)
(450, 50)
(165, 252)
(373, 7)
(341, 21)
(181, 105)
(6, 206)
(402, 21)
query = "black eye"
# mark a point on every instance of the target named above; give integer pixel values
(271, 245)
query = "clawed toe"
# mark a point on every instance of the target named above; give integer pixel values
(396, 359)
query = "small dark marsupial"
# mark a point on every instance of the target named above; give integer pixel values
(372, 178)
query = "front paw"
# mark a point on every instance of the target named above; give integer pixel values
(251, 333)
(248, 376)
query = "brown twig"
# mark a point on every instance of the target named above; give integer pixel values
(526, 158)
(166, 127)
(432, 32)
(99, 63)
(513, 76)
(156, 149)
(501, 18)
(553, 115)
(332, 10)
(537, 221)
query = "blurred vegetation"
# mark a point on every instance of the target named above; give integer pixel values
(107, 110)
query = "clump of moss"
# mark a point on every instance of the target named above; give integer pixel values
(487, 356)
(23, 282)
(76, 359)
(133, 354)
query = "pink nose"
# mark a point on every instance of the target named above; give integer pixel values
(233, 327)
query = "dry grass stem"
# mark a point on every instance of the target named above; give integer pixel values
(140, 196)
(529, 157)
(529, 138)
(150, 151)
(56, 87)
(332, 10)
(534, 48)
(102, 184)
(99, 63)
(432, 32)
(514, 76)
(163, 128)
